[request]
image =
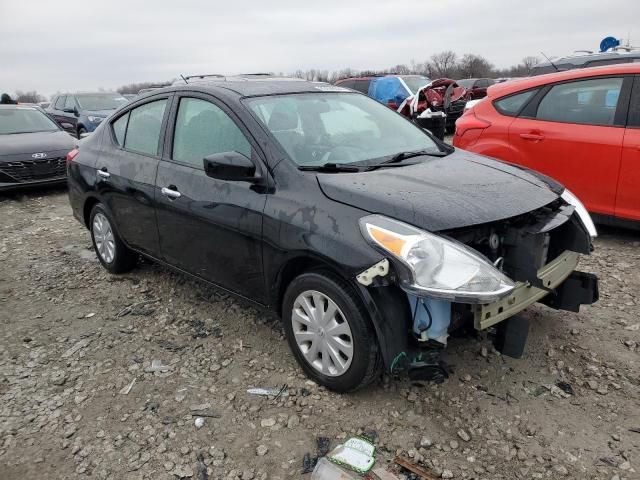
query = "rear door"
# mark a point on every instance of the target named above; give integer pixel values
(628, 199)
(209, 227)
(573, 132)
(127, 168)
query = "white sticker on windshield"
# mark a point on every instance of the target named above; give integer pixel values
(331, 88)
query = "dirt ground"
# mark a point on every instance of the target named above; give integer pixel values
(76, 399)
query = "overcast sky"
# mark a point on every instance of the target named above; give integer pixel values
(53, 45)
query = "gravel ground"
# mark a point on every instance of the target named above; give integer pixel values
(78, 397)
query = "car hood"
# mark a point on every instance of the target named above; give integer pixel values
(20, 143)
(459, 190)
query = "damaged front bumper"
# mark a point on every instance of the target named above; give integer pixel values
(551, 276)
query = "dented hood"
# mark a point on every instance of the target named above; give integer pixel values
(459, 190)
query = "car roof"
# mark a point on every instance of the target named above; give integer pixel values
(251, 88)
(516, 85)
(578, 58)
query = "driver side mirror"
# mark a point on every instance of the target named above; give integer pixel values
(232, 166)
(71, 110)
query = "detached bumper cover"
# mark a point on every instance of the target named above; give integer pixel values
(565, 288)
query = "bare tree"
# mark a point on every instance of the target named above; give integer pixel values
(29, 97)
(474, 66)
(529, 62)
(444, 63)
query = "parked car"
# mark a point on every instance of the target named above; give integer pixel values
(476, 87)
(369, 238)
(79, 113)
(587, 59)
(581, 127)
(32, 148)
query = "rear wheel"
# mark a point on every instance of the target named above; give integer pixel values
(330, 333)
(113, 254)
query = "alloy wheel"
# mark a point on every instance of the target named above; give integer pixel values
(103, 236)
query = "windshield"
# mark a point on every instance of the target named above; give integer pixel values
(416, 82)
(101, 101)
(340, 128)
(24, 120)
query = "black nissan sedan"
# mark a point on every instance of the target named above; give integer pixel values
(32, 148)
(369, 238)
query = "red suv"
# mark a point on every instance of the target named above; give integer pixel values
(581, 127)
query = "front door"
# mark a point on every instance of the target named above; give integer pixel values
(208, 227)
(575, 136)
(628, 199)
(126, 173)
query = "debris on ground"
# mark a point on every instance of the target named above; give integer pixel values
(201, 330)
(169, 345)
(157, 366)
(199, 422)
(356, 453)
(326, 470)
(125, 390)
(414, 468)
(139, 308)
(275, 392)
(565, 387)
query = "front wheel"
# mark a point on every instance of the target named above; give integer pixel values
(81, 131)
(113, 254)
(330, 333)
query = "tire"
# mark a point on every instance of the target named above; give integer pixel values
(327, 290)
(113, 254)
(81, 130)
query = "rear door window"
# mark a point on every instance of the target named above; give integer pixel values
(588, 102)
(143, 130)
(513, 104)
(203, 129)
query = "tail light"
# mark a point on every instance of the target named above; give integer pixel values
(72, 154)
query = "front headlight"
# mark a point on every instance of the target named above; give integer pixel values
(93, 119)
(581, 210)
(436, 266)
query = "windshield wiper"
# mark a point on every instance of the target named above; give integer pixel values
(330, 168)
(399, 157)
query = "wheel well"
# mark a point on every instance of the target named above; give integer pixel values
(88, 206)
(298, 266)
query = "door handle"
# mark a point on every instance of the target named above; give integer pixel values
(536, 137)
(170, 192)
(103, 173)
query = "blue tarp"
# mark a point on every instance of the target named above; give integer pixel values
(385, 89)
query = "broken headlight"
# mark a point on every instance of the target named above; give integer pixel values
(581, 210)
(436, 266)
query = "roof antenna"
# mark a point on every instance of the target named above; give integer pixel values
(552, 64)
(185, 80)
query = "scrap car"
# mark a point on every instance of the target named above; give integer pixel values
(371, 239)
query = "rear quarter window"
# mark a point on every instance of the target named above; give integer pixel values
(513, 104)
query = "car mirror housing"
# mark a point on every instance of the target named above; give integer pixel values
(232, 166)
